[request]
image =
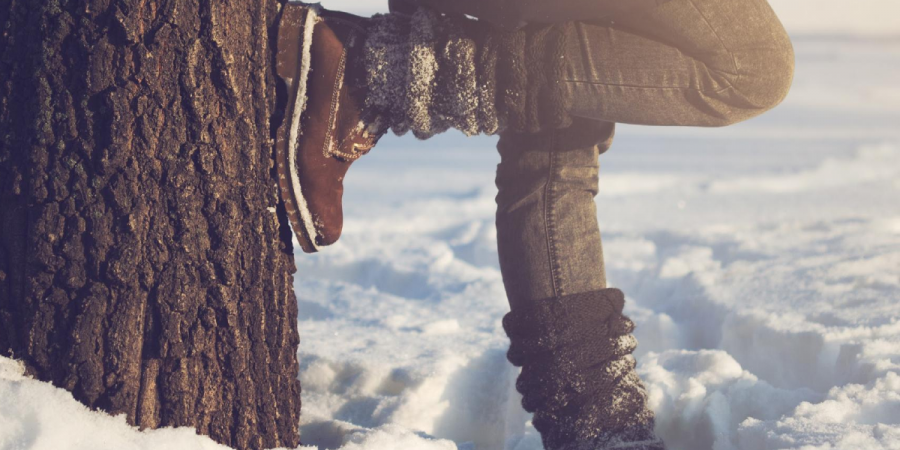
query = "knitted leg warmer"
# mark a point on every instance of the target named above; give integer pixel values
(429, 72)
(578, 375)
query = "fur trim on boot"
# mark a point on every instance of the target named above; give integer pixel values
(429, 72)
(578, 375)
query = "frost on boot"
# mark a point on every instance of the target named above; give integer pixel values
(429, 72)
(578, 375)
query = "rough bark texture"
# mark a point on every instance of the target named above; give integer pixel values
(143, 266)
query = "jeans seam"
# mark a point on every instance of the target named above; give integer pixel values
(632, 86)
(550, 219)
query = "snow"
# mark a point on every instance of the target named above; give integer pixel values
(38, 416)
(760, 263)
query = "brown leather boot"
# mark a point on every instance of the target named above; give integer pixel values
(322, 133)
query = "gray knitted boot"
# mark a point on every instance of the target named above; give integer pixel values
(578, 376)
(428, 72)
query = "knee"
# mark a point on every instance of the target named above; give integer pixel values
(763, 81)
(771, 79)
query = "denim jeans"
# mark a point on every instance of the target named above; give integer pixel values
(679, 62)
(548, 238)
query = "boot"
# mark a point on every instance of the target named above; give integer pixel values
(322, 133)
(578, 375)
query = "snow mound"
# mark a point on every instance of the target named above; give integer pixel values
(38, 416)
(702, 397)
(851, 417)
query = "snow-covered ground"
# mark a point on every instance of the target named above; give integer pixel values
(761, 262)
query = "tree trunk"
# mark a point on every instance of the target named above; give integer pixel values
(145, 263)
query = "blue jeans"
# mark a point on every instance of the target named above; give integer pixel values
(680, 62)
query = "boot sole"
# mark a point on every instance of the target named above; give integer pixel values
(295, 34)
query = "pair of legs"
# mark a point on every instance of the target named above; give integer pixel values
(679, 63)
(668, 62)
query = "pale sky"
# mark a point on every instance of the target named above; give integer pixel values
(865, 17)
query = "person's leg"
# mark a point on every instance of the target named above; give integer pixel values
(697, 62)
(674, 63)
(566, 328)
(682, 62)
(547, 233)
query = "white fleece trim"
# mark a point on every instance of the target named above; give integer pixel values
(312, 16)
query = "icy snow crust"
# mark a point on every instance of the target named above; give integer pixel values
(761, 264)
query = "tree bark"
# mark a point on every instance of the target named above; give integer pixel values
(145, 264)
